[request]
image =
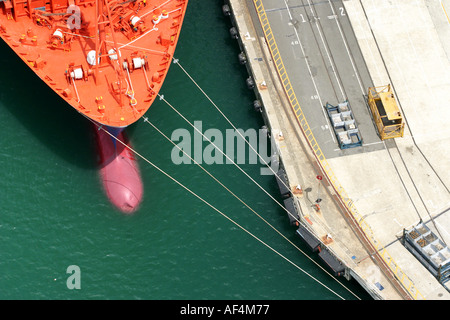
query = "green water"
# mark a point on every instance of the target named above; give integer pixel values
(53, 212)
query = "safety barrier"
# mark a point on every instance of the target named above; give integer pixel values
(326, 168)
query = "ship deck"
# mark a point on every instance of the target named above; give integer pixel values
(112, 78)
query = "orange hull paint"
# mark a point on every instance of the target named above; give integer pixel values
(56, 41)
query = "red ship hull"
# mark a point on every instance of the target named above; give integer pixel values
(107, 59)
(119, 171)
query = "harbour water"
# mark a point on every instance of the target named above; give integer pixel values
(54, 214)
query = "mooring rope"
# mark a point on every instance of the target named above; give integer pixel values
(244, 203)
(213, 207)
(161, 97)
(177, 62)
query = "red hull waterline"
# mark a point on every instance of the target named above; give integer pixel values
(119, 171)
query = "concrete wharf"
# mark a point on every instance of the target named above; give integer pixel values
(303, 54)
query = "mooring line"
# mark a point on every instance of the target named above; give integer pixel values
(213, 207)
(244, 203)
(221, 151)
(161, 97)
(177, 62)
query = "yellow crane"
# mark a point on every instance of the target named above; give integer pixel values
(385, 112)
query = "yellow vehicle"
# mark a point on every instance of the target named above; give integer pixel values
(385, 112)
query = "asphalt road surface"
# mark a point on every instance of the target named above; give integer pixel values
(325, 65)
